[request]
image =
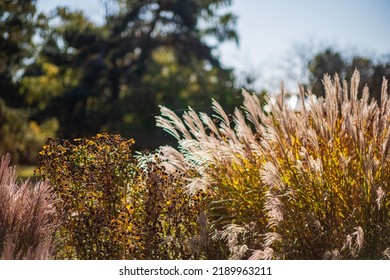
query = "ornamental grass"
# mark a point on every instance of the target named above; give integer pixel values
(311, 183)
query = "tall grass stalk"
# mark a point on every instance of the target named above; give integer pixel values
(310, 184)
(332, 164)
(27, 217)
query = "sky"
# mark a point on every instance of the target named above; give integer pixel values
(272, 33)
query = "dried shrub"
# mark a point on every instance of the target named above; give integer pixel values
(173, 216)
(97, 182)
(114, 209)
(28, 218)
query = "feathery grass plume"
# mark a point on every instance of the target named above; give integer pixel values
(218, 153)
(334, 168)
(237, 238)
(28, 219)
(231, 234)
(266, 254)
(315, 182)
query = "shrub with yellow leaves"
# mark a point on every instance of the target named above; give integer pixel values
(99, 186)
(114, 209)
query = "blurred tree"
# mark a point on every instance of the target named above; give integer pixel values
(326, 62)
(371, 74)
(16, 30)
(49, 83)
(148, 53)
(331, 62)
(20, 135)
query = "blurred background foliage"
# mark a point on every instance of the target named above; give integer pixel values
(62, 75)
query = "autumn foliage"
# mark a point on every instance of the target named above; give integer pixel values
(311, 183)
(306, 183)
(112, 208)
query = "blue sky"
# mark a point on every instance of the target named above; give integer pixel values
(270, 31)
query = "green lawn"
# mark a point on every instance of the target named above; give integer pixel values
(26, 171)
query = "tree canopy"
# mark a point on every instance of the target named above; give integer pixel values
(63, 75)
(331, 62)
(113, 77)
